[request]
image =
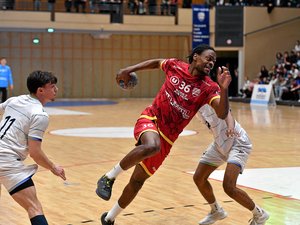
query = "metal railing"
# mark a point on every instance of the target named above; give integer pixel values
(91, 6)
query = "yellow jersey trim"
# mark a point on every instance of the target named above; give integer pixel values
(161, 64)
(146, 169)
(213, 99)
(160, 132)
(165, 137)
(148, 117)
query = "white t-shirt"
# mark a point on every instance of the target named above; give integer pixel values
(24, 118)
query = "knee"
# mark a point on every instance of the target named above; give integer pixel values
(196, 178)
(199, 180)
(151, 149)
(229, 188)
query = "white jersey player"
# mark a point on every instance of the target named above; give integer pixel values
(232, 145)
(22, 127)
(224, 148)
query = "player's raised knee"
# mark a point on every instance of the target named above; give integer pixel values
(151, 149)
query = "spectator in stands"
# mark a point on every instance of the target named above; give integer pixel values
(290, 85)
(264, 72)
(78, 4)
(294, 70)
(83, 5)
(93, 5)
(245, 90)
(104, 6)
(287, 60)
(293, 57)
(263, 80)
(209, 3)
(51, 4)
(273, 70)
(173, 7)
(269, 3)
(276, 84)
(152, 7)
(285, 86)
(285, 72)
(272, 79)
(141, 7)
(298, 59)
(132, 5)
(68, 5)
(164, 7)
(9, 4)
(279, 58)
(187, 4)
(280, 69)
(37, 5)
(295, 88)
(297, 46)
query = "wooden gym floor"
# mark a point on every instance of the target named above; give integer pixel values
(170, 196)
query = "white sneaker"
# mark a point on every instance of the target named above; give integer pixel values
(212, 217)
(260, 219)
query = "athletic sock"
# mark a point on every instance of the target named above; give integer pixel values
(215, 206)
(39, 220)
(115, 171)
(114, 212)
(257, 210)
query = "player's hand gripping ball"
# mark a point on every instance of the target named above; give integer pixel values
(132, 82)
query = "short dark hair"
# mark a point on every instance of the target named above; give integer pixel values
(198, 50)
(39, 79)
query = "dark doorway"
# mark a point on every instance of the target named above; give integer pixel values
(229, 59)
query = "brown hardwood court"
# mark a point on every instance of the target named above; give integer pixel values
(169, 197)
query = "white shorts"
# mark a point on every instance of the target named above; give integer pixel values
(14, 174)
(238, 153)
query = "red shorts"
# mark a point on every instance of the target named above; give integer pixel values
(152, 163)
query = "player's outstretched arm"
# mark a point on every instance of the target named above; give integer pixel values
(37, 154)
(123, 74)
(221, 106)
(230, 121)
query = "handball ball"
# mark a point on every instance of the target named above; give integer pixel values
(133, 81)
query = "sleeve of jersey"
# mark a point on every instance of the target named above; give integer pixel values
(4, 104)
(39, 124)
(165, 64)
(2, 107)
(214, 93)
(162, 65)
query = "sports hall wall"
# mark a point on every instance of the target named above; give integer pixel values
(267, 33)
(86, 67)
(86, 61)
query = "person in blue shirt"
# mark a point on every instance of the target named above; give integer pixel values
(5, 79)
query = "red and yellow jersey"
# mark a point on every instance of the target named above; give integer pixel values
(179, 98)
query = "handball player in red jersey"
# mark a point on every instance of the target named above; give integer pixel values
(187, 87)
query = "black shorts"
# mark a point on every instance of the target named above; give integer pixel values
(26, 184)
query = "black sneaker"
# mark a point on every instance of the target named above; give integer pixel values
(104, 187)
(104, 222)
